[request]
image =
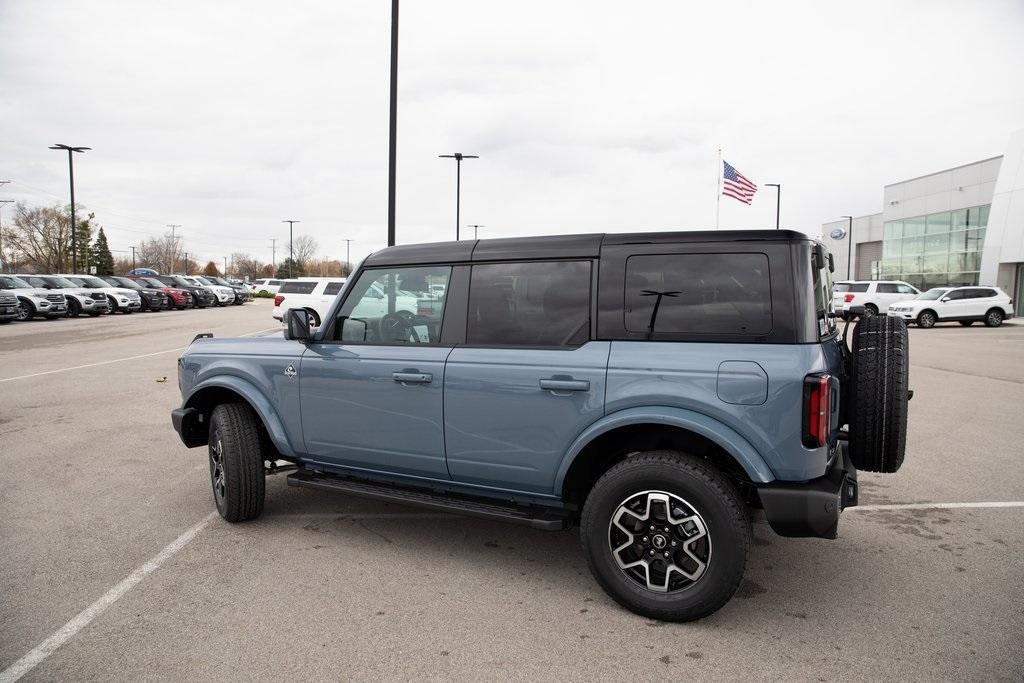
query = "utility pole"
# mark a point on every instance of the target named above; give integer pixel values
(348, 254)
(273, 255)
(186, 263)
(225, 266)
(133, 258)
(458, 156)
(393, 123)
(475, 227)
(2, 202)
(174, 246)
(291, 253)
(71, 177)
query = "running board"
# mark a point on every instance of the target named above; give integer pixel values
(538, 518)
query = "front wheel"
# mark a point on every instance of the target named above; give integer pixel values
(236, 452)
(994, 318)
(666, 535)
(926, 319)
(25, 311)
(113, 306)
(74, 308)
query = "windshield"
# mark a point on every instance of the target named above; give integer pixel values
(221, 281)
(37, 282)
(90, 282)
(8, 282)
(152, 282)
(59, 281)
(932, 294)
(193, 281)
(126, 282)
(203, 281)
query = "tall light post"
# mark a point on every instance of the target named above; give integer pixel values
(348, 254)
(291, 255)
(174, 247)
(475, 228)
(849, 245)
(458, 156)
(393, 123)
(778, 201)
(2, 202)
(71, 176)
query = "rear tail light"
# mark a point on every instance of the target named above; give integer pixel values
(817, 410)
(847, 298)
(278, 299)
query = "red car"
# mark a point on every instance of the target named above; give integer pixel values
(180, 298)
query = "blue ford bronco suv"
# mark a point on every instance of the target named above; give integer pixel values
(656, 389)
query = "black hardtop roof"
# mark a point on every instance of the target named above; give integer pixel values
(561, 246)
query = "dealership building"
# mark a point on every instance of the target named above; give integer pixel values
(959, 226)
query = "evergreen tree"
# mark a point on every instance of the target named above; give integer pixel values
(103, 260)
(297, 269)
(83, 244)
(211, 269)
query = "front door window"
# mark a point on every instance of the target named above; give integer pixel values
(394, 306)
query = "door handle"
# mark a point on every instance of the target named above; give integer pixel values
(565, 384)
(412, 377)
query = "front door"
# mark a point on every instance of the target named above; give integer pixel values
(372, 387)
(528, 380)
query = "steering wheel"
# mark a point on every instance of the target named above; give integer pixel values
(398, 326)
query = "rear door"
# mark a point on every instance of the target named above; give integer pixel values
(528, 380)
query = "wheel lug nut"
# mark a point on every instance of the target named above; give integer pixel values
(673, 544)
(652, 527)
(652, 553)
(645, 539)
(666, 555)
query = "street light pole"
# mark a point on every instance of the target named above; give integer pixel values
(458, 156)
(778, 201)
(393, 124)
(475, 227)
(133, 258)
(348, 254)
(291, 254)
(2, 202)
(849, 246)
(71, 176)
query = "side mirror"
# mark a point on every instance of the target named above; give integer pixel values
(945, 299)
(297, 325)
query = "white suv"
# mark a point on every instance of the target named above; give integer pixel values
(315, 294)
(31, 300)
(874, 295)
(962, 304)
(120, 299)
(79, 300)
(265, 286)
(225, 295)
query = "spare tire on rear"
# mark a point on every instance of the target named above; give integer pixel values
(880, 373)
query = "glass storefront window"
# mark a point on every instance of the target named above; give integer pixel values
(914, 227)
(938, 222)
(972, 260)
(893, 231)
(959, 221)
(958, 241)
(975, 239)
(891, 248)
(890, 268)
(937, 243)
(934, 263)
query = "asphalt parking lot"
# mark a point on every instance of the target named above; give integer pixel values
(101, 507)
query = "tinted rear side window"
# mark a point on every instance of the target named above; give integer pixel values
(851, 287)
(698, 294)
(297, 288)
(529, 304)
(887, 288)
(333, 288)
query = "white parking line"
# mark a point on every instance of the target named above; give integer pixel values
(68, 630)
(939, 506)
(119, 360)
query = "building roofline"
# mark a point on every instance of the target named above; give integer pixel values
(945, 170)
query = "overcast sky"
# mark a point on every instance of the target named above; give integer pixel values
(227, 117)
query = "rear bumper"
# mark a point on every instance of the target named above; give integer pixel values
(812, 508)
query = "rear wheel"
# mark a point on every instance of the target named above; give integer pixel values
(870, 310)
(994, 318)
(236, 453)
(666, 535)
(926, 319)
(879, 394)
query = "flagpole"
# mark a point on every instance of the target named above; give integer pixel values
(718, 187)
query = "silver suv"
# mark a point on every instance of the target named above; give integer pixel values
(33, 302)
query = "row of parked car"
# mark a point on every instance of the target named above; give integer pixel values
(965, 305)
(23, 297)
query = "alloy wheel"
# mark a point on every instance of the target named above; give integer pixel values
(24, 311)
(217, 468)
(659, 541)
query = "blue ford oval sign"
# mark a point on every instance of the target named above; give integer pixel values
(838, 233)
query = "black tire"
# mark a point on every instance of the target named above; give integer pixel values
(927, 319)
(74, 308)
(95, 314)
(716, 503)
(994, 318)
(879, 394)
(237, 444)
(966, 323)
(113, 305)
(5, 321)
(870, 310)
(26, 311)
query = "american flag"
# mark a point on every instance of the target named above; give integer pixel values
(736, 185)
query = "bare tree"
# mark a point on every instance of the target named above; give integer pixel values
(40, 237)
(163, 253)
(246, 266)
(305, 248)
